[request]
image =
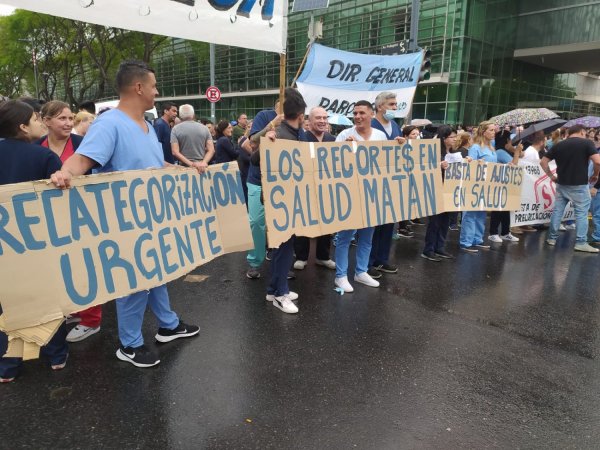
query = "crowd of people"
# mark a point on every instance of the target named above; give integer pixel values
(51, 141)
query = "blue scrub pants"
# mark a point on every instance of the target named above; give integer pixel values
(472, 228)
(131, 309)
(256, 216)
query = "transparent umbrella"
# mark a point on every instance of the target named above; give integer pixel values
(339, 119)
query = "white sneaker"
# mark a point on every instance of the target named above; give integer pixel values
(81, 332)
(344, 284)
(562, 228)
(585, 247)
(285, 304)
(366, 279)
(73, 319)
(299, 265)
(291, 295)
(509, 237)
(325, 263)
(494, 238)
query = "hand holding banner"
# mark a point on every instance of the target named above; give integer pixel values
(311, 189)
(111, 235)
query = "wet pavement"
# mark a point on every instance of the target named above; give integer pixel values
(494, 350)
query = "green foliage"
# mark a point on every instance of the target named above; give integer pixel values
(75, 61)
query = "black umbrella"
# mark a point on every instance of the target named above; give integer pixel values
(547, 126)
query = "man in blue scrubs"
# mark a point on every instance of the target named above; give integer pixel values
(121, 139)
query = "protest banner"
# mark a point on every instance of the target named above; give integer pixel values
(259, 25)
(336, 80)
(482, 186)
(537, 198)
(110, 235)
(316, 188)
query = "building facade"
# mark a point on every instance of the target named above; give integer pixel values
(488, 56)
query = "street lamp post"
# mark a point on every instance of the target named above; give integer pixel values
(35, 68)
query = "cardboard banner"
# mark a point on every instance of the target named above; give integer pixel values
(537, 197)
(336, 80)
(110, 235)
(311, 189)
(482, 186)
(259, 25)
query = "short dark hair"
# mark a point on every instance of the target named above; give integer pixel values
(35, 103)
(407, 129)
(575, 129)
(205, 121)
(293, 104)
(130, 71)
(366, 103)
(221, 127)
(167, 105)
(13, 114)
(443, 132)
(88, 105)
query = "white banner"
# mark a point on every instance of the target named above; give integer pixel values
(259, 25)
(335, 79)
(341, 101)
(537, 197)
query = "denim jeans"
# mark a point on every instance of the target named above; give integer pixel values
(363, 250)
(596, 217)
(437, 231)
(381, 244)
(283, 257)
(580, 198)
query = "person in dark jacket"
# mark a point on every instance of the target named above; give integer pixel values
(225, 150)
(23, 161)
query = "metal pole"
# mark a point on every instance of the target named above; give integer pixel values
(212, 80)
(414, 25)
(412, 47)
(35, 75)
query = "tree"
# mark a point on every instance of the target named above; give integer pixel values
(75, 60)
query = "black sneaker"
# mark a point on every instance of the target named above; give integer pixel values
(405, 232)
(374, 273)
(430, 256)
(181, 331)
(387, 268)
(483, 246)
(443, 254)
(139, 356)
(269, 255)
(417, 222)
(291, 275)
(469, 249)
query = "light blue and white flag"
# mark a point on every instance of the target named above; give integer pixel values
(336, 79)
(260, 25)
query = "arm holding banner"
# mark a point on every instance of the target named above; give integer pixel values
(76, 165)
(596, 160)
(544, 164)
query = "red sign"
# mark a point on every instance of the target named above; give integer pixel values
(213, 94)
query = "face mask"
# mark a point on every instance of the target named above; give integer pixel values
(390, 114)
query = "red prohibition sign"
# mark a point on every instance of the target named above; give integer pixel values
(213, 94)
